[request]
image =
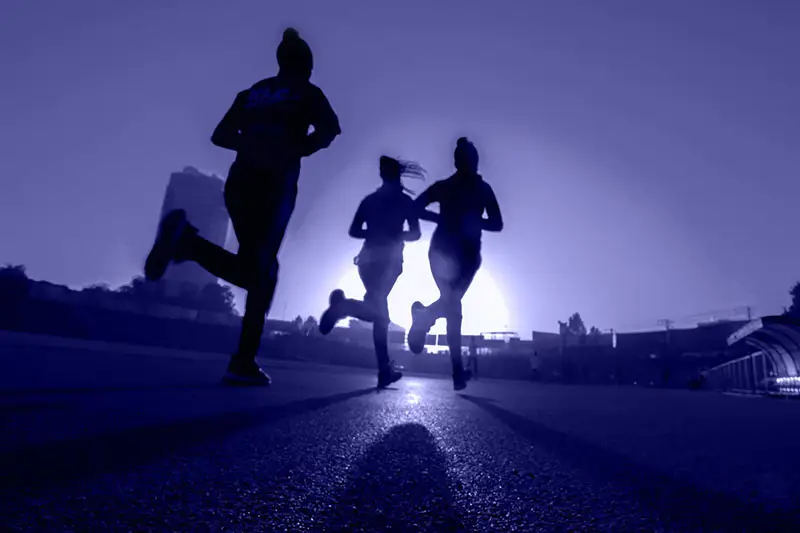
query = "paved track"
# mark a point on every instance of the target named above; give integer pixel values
(103, 438)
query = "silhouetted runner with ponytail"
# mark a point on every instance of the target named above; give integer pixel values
(380, 262)
(455, 251)
(267, 126)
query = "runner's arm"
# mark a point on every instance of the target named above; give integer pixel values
(428, 197)
(494, 220)
(228, 131)
(414, 233)
(357, 230)
(326, 125)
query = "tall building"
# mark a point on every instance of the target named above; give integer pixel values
(201, 196)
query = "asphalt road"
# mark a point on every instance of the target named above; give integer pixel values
(102, 438)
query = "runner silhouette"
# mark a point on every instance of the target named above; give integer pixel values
(268, 128)
(380, 262)
(455, 250)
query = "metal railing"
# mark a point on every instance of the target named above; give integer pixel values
(751, 374)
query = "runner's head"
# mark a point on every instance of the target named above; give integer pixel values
(294, 55)
(394, 170)
(391, 169)
(466, 156)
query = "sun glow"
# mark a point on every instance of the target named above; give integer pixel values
(484, 308)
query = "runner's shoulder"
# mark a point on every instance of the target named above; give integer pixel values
(278, 82)
(444, 183)
(369, 202)
(262, 84)
(487, 189)
(368, 199)
(313, 88)
(448, 185)
(315, 94)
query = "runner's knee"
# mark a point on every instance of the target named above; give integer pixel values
(268, 268)
(383, 310)
(453, 309)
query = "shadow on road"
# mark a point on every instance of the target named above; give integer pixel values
(680, 500)
(33, 391)
(399, 484)
(47, 464)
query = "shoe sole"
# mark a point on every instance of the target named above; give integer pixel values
(232, 379)
(384, 385)
(155, 266)
(462, 384)
(327, 322)
(416, 341)
(416, 335)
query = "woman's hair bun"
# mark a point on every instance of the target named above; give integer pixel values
(290, 33)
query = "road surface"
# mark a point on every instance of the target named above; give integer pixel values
(105, 438)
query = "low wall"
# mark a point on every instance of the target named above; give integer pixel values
(161, 327)
(175, 328)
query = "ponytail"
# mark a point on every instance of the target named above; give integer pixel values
(405, 169)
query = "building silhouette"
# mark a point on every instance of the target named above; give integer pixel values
(201, 196)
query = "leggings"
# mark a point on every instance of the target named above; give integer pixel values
(260, 203)
(379, 273)
(453, 271)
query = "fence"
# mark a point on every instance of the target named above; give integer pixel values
(773, 366)
(751, 374)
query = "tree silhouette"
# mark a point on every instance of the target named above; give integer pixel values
(310, 326)
(213, 297)
(98, 288)
(135, 287)
(355, 323)
(794, 308)
(98, 293)
(14, 282)
(576, 326)
(217, 298)
(13, 272)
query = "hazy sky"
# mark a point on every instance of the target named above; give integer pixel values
(645, 154)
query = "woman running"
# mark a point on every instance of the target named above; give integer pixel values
(455, 251)
(380, 261)
(267, 126)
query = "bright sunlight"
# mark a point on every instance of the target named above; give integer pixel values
(484, 307)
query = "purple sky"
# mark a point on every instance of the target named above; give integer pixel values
(644, 153)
